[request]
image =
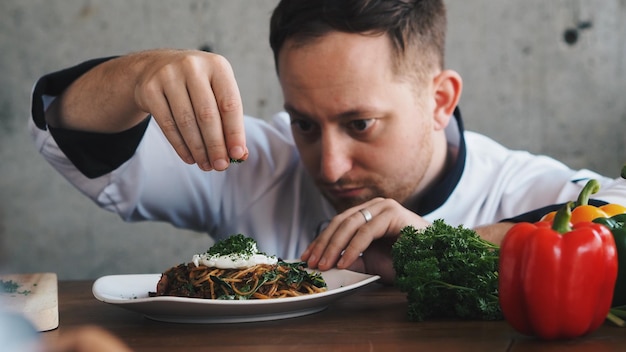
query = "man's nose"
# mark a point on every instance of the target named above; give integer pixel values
(336, 158)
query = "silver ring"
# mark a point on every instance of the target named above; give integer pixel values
(366, 214)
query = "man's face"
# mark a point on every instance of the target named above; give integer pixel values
(361, 130)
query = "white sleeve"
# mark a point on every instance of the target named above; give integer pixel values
(269, 196)
(155, 184)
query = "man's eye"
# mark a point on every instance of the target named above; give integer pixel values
(361, 125)
(302, 125)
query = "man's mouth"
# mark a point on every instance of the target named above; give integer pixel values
(344, 192)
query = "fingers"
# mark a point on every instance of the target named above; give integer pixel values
(346, 237)
(219, 115)
(162, 113)
(208, 135)
(349, 236)
(195, 99)
(184, 132)
(231, 109)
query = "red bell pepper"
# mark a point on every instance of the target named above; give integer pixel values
(556, 281)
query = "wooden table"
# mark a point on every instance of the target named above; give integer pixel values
(373, 319)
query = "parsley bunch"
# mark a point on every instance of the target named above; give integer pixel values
(447, 272)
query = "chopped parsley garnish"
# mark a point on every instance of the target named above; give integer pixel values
(234, 245)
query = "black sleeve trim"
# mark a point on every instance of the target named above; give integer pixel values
(54, 84)
(96, 154)
(536, 215)
(93, 154)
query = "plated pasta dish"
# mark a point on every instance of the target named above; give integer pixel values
(234, 269)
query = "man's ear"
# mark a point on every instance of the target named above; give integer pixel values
(447, 87)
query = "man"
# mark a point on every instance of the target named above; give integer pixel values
(376, 143)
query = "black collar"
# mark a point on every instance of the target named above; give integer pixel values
(434, 197)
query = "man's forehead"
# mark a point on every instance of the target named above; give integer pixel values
(336, 43)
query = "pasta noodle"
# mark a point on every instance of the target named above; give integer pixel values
(261, 281)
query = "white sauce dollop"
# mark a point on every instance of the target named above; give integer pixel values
(235, 260)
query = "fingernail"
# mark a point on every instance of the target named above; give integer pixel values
(236, 152)
(188, 159)
(322, 262)
(220, 164)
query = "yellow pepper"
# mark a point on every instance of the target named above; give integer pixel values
(585, 212)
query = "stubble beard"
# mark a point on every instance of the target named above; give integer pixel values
(398, 188)
(403, 188)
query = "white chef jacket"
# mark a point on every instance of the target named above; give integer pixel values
(271, 198)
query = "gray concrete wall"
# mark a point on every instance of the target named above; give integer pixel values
(525, 85)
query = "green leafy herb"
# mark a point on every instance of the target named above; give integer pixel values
(236, 161)
(9, 286)
(447, 272)
(297, 275)
(189, 287)
(235, 244)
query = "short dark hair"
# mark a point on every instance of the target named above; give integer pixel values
(416, 28)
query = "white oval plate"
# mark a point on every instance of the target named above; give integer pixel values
(131, 292)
